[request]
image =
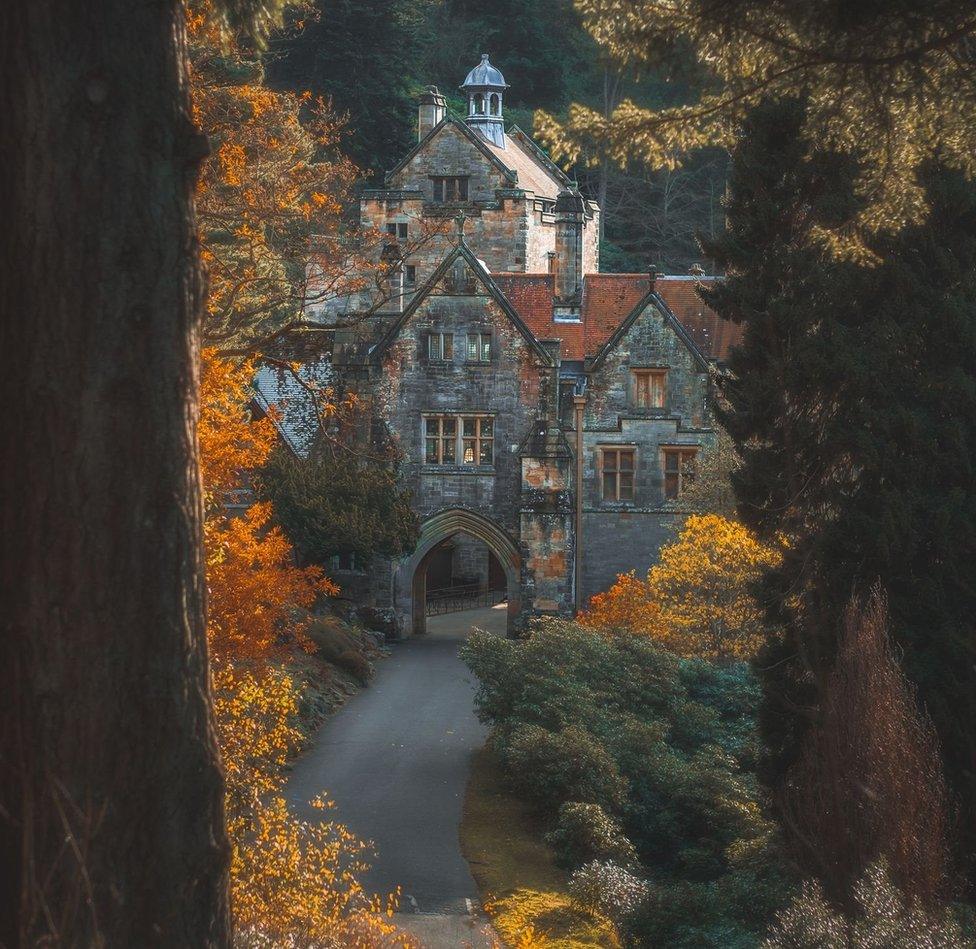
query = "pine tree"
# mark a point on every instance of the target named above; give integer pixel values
(852, 404)
(361, 58)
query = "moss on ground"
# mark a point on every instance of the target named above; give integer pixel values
(523, 890)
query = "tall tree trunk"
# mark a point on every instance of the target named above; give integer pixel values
(111, 817)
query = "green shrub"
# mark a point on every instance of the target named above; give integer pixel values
(666, 747)
(585, 832)
(605, 888)
(550, 767)
(342, 645)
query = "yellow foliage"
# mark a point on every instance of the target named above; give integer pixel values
(698, 599)
(231, 442)
(536, 919)
(894, 88)
(257, 193)
(293, 882)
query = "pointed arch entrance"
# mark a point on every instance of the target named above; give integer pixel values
(412, 573)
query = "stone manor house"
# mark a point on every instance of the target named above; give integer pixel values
(548, 416)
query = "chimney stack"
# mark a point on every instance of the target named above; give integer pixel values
(432, 108)
(570, 211)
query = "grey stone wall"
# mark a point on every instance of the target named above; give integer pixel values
(619, 536)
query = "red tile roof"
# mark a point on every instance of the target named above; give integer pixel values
(714, 336)
(608, 299)
(531, 295)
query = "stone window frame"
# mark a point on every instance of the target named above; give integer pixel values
(484, 346)
(641, 376)
(410, 275)
(454, 193)
(440, 346)
(452, 441)
(398, 229)
(677, 475)
(602, 456)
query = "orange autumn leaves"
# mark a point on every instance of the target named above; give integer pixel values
(253, 584)
(698, 600)
(293, 882)
(274, 183)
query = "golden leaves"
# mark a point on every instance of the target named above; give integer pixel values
(895, 92)
(698, 599)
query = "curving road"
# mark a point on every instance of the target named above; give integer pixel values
(396, 758)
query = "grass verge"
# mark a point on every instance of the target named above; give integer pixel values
(523, 890)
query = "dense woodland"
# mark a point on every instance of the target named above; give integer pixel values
(765, 739)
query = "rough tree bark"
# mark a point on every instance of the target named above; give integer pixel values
(111, 821)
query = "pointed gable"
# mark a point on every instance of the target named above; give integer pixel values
(608, 301)
(714, 336)
(462, 252)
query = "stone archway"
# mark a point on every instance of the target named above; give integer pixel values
(411, 596)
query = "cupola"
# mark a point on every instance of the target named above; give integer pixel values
(485, 86)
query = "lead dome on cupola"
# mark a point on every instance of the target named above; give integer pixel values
(485, 86)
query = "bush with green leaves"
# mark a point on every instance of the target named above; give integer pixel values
(880, 920)
(585, 832)
(666, 747)
(337, 503)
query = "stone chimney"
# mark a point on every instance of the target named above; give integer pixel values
(570, 211)
(431, 111)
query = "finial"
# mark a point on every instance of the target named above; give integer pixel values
(484, 57)
(459, 222)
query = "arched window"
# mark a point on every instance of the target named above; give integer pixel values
(459, 277)
(479, 104)
(493, 104)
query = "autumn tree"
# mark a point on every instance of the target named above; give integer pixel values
(891, 82)
(700, 598)
(290, 879)
(869, 785)
(271, 197)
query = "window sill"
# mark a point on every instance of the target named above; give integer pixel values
(457, 469)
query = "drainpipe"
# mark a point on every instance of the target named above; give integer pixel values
(579, 402)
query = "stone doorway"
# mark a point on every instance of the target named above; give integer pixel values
(452, 542)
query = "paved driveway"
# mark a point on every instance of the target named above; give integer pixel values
(395, 759)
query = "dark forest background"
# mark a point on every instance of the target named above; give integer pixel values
(650, 216)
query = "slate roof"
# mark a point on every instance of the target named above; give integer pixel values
(532, 174)
(294, 414)
(608, 299)
(484, 75)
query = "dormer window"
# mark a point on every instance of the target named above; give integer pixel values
(650, 388)
(448, 190)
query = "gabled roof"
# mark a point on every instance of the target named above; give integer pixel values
(521, 160)
(461, 249)
(286, 395)
(608, 299)
(457, 122)
(650, 298)
(714, 336)
(532, 296)
(612, 300)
